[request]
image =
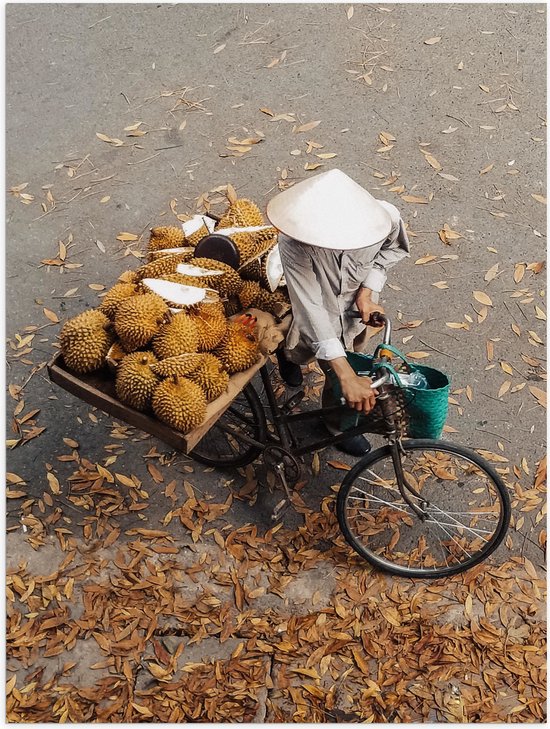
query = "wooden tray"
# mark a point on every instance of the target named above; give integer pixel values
(98, 389)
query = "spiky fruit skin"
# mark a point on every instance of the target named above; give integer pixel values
(211, 376)
(252, 271)
(135, 381)
(85, 341)
(180, 403)
(161, 267)
(197, 236)
(211, 324)
(138, 319)
(238, 350)
(253, 295)
(242, 212)
(250, 291)
(128, 277)
(181, 365)
(246, 244)
(178, 336)
(227, 285)
(115, 296)
(169, 236)
(181, 278)
(252, 244)
(186, 252)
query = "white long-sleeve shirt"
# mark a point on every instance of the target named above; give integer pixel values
(322, 285)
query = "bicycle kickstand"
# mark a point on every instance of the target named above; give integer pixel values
(285, 503)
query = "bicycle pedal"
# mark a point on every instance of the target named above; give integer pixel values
(280, 509)
(293, 401)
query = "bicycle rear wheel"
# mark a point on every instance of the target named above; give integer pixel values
(466, 510)
(221, 447)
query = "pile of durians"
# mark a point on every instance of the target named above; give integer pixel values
(164, 329)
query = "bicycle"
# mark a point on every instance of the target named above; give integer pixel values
(413, 508)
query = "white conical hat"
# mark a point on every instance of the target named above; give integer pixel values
(330, 210)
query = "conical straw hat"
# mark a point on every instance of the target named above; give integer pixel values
(330, 210)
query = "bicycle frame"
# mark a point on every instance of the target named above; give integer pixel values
(284, 438)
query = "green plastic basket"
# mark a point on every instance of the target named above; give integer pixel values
(426, 409)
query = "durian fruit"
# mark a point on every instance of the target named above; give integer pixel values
(242, 212)
(117, 294)
(178, 296)
(135, 380)
(178, 336)
(238, 350)
(227, 285)
(246, 243)
(253, 295)
(180, 403)
(186, 252)
(251, 271)
(272, 273)
(206, 276)
(252, 242)
(128, 277)
(85, 341)
(161, 266)
(181, 365)
(138, 319)
(249, 293)
(197, 236)
(180, 278)
(211, 324)
(211, 376)
(166, 237)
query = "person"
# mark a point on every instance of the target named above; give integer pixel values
(336, 243)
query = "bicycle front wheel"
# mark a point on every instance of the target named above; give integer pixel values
(465, 510)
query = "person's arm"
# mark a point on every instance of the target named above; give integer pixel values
(395, 247)
(315, 327)
(308, 305)
(356, 390)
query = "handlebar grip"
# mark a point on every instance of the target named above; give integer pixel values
(376, 319)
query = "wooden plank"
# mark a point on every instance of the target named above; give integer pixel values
(98, 389)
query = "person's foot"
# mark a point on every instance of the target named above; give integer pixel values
(355, 445)
(290, 372)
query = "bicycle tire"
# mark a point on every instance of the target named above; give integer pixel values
(258, 430)
(385, 564)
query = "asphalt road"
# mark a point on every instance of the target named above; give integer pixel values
(439, 109)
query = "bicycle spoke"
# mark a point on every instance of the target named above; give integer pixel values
(457, 524)
(461, 501)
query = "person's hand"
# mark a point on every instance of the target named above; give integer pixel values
(358, 393)
(365, 305)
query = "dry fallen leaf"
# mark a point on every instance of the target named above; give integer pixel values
(126, 237)
(483, 298)
(539, 394)
(432, 41)
(307, 127)
(487, 169)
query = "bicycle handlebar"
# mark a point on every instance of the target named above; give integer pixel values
(377, 319)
